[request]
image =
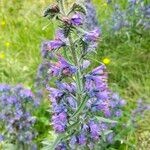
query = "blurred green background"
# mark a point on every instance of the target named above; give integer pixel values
(22, 29)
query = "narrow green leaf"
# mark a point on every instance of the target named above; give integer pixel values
(106, 120)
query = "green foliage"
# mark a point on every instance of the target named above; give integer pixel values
(129, 54)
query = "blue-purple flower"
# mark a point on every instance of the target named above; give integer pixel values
(94, 130)
(62, 67)
(59, 122)
(55, 44)
(92, 36)
(77, 19)
(82, 139)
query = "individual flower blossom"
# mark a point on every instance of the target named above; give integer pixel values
(3, 23)
(86, 64)
(60, 35)
(77, 19)
(59, 122)
(94, 130)
(55, 93)
(66, 87)
(82, 139)
(118, 113)
(122, 102)
(106, 61)
(2, 56)
(73, 141)
(62, 67)
(7, 44)
(72, 103)
(100, 70)
(110, 137)
(1, 138)
(55, 44)
(92, 36)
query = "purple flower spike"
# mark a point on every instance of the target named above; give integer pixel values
(77, 19)
(83, 105)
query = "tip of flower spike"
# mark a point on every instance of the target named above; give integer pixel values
(106, 61)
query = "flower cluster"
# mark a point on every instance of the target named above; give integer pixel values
(136, 13)
(16, 103)
(139, 111)
(119, 19)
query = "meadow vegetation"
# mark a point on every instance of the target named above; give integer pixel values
(22, 31)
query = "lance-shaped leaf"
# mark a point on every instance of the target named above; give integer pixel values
(106, 120)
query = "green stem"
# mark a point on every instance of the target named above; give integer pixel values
(76, 62)
(80, 108)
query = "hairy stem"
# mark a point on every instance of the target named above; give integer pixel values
(79, 81)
